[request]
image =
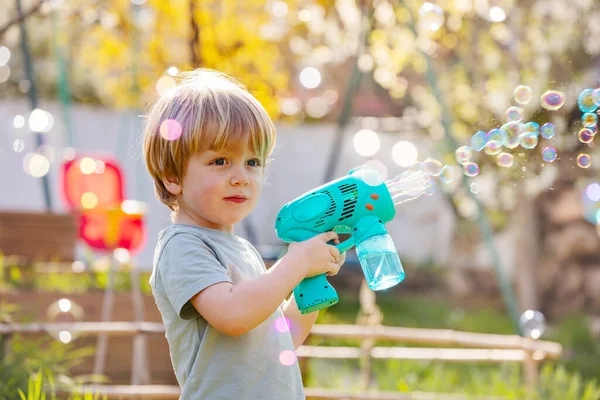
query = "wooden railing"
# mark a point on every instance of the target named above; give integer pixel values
(483, 348)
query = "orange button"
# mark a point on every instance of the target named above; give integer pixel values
(370, 207)
(374, 196)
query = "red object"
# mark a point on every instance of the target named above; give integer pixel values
(369, 207)
(98, 175)
(109, 229)
(93, 188)
(375, 196)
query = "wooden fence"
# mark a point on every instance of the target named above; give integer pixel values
(483, 348)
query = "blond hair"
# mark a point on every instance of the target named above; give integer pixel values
(206, 110)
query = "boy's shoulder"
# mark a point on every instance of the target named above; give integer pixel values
(180, 235)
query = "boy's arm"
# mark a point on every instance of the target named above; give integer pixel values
(300, 324)
(235, 310)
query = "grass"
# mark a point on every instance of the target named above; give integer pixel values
(571, 378)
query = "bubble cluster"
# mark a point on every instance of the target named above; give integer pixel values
(522, 94)
(517, 132)
(552, 100)
(549, 154)
(584, 160)
(532, 323)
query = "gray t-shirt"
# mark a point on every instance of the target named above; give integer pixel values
(208, 364)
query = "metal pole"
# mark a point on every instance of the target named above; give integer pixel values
(32, 95)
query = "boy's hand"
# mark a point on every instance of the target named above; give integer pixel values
(316, 256)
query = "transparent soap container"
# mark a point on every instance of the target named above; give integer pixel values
(380, 262)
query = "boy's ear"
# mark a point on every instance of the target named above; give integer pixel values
(172, 185)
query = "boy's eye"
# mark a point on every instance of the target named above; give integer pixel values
(219, 161)
(254, 163)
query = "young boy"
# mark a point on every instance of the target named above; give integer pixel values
(206, 145)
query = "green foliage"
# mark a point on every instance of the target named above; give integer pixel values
(505, 380)
(41, 386)
(60, 281)
(558, 383)
(22, 358)
(582, 350)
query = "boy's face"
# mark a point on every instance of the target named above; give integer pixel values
(219, 188)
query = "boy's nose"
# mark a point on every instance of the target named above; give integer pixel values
(239, 176)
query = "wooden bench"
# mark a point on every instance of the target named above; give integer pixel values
(38, 236)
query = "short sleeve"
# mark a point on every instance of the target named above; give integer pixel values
(187, 266)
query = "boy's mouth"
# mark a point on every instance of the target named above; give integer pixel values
(236, 199)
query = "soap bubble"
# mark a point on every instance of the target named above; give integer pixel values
(531, 127)
(478, 141)
(533, 324)
(512, 132)
(549, 154)
(584, 160)
(496, 135)
(552, 100)
(585, 101)
(471, 169)
(64, 311)
(585, 135)
(448, 174)
(505, 159)
(596, 96)
(432, 166)
(522, 94)
(514, 114)
(589, 119)
(463, 154)
(548, 130)
(492, 148)
(529, 140)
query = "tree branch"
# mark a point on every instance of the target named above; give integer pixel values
(20, 18)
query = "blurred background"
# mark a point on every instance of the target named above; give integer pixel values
(498, 98)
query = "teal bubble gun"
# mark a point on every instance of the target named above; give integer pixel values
(359, 204)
